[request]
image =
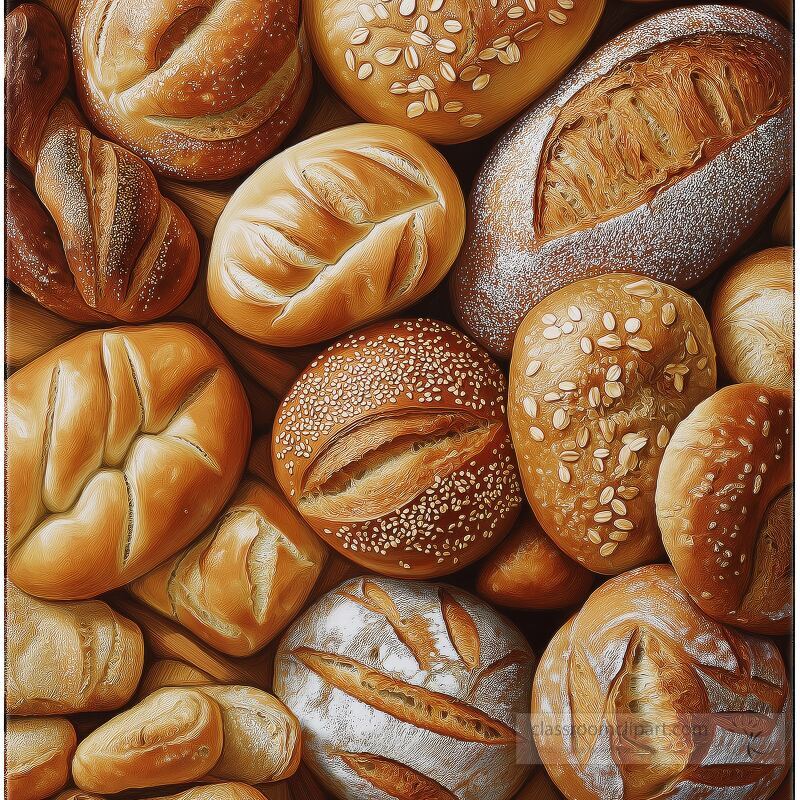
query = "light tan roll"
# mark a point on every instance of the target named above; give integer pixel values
(37, 756)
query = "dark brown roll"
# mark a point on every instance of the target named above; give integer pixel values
(659, 155)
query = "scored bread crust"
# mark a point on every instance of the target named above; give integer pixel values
(678, 231)
(724, 505)
(351, 225)
(37, 755)
(122, 446)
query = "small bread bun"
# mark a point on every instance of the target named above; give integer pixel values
(752, 317)
(449, 71)
(724, 504)
(527, 570)
(37, 754)
(394, 447)
(602, 372)
(217, 791)
(342, 229)
(783, 224)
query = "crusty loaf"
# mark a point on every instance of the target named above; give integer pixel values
(216, 791)
(37, 755)
(659, 155)
(128, 252)
(122, 446)
(63, 658)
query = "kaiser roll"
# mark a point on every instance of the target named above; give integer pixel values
(63, 658)
(407, 690)
(346, 227)
(37, 755)
(641, 695)
(393, 445)
(752, 318)
(725, 506)
(201, 91)
(602, 372)
(123, 445)
(527, 570)
(449, 71)
(623, 166)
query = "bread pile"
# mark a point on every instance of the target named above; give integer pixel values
(273, 367)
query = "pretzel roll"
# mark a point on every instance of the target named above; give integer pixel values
(351, 225)
(752, 318)
(200, 90)
(622, 166)
(602, 372)
(526, 570)
(63, 658)
(449, 72)
(641, 695)
(122, 251)
(122, 446)
(393, 445)
(37, 755)
(407, 690)
(724, 503)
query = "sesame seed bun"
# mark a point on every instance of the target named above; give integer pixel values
(602, 372)
(394, 447)
(724, 503)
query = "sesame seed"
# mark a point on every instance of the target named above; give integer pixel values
(532, 368)
(407, 7)
(641, 288)
(552, 397)
(642, 345)
(415, 109)
(614, 373)
(623, 524)
(446, 46)
(757, 484)
(364, 71)
(618, 536)
(668, 314)
(563, 473)
(481, 82)
(586, 345)
(609, 321)
(618, 507)
(610, 341)
(593, 536)
(387, 55)
(452, 25)
(574, 313)
(531, 407)
(691, 344)
(607, 549)
(359, 36)
(567, 386)
(603, 516)
(470, 120)
(607, 495)
(560, 419)
(536, 434)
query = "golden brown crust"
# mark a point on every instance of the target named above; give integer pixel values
(527, 570)
(217, 791)
(346, 227)
(752, 317)
(122, 446)
(602, 372)
(393, 442)
(449, 72)
(724, 504)
(171, 672)
(37, 755)
(201, 91)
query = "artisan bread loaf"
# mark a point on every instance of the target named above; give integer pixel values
(122, 446)
(624, 166)
(341, 229)
(37, 755)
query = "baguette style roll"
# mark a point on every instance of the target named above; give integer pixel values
(239, 584)
(122, 446)
(407, 690)
(123, 251)
(659, 155)
(65, 658)
(342, 229)
(201, 91)
(37, 755)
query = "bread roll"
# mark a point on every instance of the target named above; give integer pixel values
(449, 72)
(408, 690)
(339, 230)
(623, 166)
(724, 502)
(199, 91)
(393, 445)
(172, 736)
(217, 791)
(783, 224)
(37, 756)
(63, 658)
(123, 251)
(640, 695)
(239, 584)
(527, 570)
(122, 446)
(602, 372)
(752, 318)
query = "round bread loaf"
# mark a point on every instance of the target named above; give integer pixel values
(449, 71)
(122, 446)
(622, 166)
(393, 445)
(37, 754)
(64, 658)
(344, 228)
(602, 372)
(407, 690)
(752, 318)
(725, 506)
(527, 570)
(643, 696)
(199, 90)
